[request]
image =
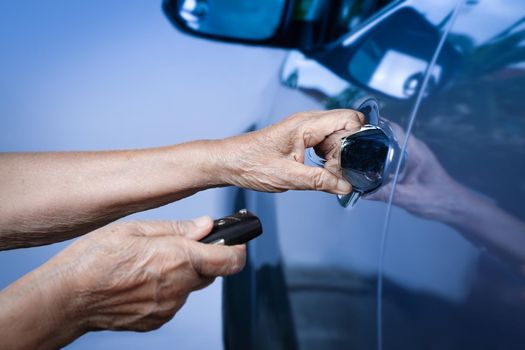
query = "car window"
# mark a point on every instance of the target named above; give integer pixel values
(455, 249)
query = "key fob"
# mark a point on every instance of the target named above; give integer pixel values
(235, 229)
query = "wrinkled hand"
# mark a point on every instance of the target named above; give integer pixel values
(137, 275)
(272, 159)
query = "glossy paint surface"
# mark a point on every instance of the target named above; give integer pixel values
(454, 254)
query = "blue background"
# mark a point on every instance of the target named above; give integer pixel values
(94, 75)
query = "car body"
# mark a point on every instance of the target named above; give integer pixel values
(436, 258)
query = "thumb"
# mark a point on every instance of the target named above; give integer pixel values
(318, 179)
(193, 229)
(214, 260)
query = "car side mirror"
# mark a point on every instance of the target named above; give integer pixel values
(299, 24)
(254, 21)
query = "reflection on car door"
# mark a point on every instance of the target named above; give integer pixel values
(311, 278)
(456, 244)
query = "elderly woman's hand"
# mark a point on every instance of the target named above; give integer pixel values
(272, 159)
(126, 276)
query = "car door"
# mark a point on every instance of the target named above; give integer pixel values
(311, 279)
(453, 264)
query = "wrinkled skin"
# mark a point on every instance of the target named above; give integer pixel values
(126, 276)
(141, 273)
(49, 197)
(137, 275)
(272, 159)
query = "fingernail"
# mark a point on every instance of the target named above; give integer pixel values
(201, 221)
(343, 186)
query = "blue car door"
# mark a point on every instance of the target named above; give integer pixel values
(455, 247)
(311, 279)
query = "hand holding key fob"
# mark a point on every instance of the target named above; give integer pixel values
(235, 229)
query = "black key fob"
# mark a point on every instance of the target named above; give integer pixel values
(235, 229)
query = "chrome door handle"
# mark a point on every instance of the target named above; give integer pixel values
(367, 158)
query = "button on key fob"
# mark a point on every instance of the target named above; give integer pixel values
(235, 229)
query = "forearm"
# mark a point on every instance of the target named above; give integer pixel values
(126, 276)
(34, 315)
(49, 197)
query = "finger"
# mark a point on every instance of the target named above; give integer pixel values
(315, 129)
(193, 229)
(214, 260)
(304, 177)
(330, 147)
